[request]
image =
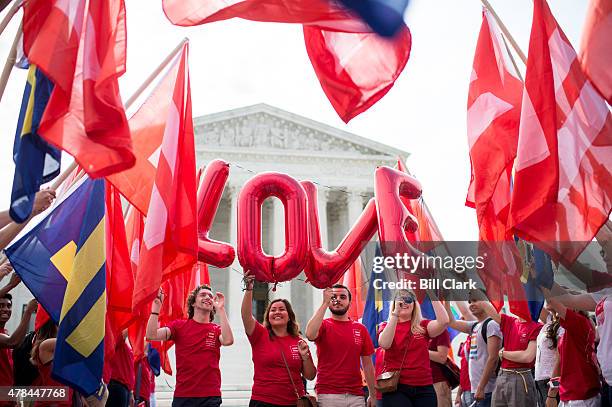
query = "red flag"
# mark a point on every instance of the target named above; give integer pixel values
(353, 279)
(563, 187)
(169, 245)
(134, 230)
(119, 277)
(199, 276)
(147, 126)
(596, 47)
(355, 67)
(493, 121)
(83, 52)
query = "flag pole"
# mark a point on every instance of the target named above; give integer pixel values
(502, 26)
(10, 61)
(14, 228)
(9, 15)
(62, 177)
(155, 73)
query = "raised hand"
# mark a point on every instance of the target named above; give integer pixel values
(43, 200)
(303, 349)
(249, 280)
(219, 301)
(32, 306)
(327, 296)
(5, 270)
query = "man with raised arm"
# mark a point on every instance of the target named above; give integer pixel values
(515, 385)
(343, 346)
(8, 342)
(198, 342)
(485, 343)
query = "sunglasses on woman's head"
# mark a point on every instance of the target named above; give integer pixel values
(406, 300)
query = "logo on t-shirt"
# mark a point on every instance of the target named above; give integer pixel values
(210, 340)
(357, 336)
(295, 352)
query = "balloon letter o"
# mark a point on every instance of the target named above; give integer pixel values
(250, 251)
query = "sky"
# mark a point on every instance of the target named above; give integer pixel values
(238, 63)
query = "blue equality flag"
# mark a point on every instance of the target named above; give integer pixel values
(62, 262)
(376, 308)
(385, 17)
(36, 161)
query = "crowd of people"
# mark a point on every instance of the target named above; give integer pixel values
(505, 361)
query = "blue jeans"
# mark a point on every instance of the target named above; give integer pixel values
(486, 402)
(411, 396)
(606, 395)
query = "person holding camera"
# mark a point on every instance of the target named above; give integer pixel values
(343, 346)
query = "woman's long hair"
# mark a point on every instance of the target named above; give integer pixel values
(552, 329)
(293, 328)
(191, 300)
(416, 317)
(47, 331)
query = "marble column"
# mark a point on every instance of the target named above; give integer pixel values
(234, 281)
(322, 198)
(283, 290)
(355, 207)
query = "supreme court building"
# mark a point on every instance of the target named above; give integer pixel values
(263, 138)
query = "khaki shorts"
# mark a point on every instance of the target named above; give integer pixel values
(340, 400)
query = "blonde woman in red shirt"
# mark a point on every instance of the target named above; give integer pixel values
(405, 338)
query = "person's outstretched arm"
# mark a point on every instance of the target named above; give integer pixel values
(154, 332)
(247, 304)
(17, 337)
(227, 337)
(313, 326)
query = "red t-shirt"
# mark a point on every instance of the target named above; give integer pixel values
(122, 365)
(340, 346)
(464, 376)
(45, 379)
(579, 373)
(6, 365)
(436, 369)
(6, 369)
(146, 376)
(416, 370)
(197, 358)
(271, 382)
(517, 336)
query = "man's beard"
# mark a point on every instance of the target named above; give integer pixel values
(339, 312)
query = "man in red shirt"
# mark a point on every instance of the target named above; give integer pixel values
(8, 342)
(121, 383)
(198, 341)
(515, 386)
(438, 353)
(342, 346)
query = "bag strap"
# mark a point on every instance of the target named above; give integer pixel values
(405, 350)
(288, 371)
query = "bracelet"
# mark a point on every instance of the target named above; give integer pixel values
(551, 397)
(154, 313)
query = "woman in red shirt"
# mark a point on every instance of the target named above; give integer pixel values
(579, 382)
(406, 336)
(42, 357)
(280, 356)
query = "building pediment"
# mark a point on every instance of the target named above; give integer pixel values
(265, 128)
